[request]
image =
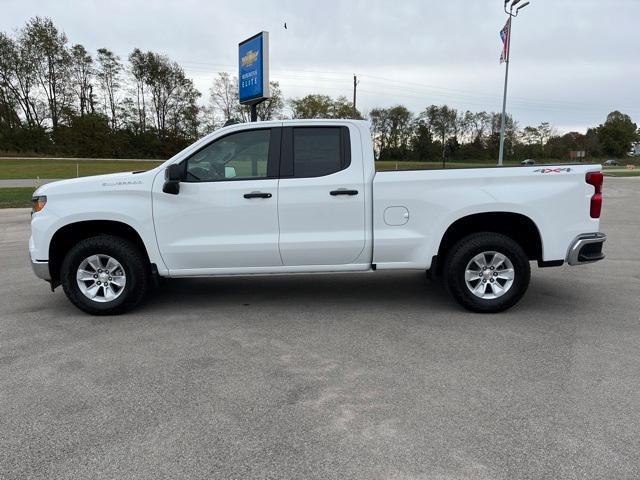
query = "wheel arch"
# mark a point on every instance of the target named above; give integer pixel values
(516, 226)
(68, 235)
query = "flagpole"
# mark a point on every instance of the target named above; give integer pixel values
(503, 121)
(504, 97)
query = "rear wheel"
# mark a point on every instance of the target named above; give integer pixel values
(105, 275)
(487, 272)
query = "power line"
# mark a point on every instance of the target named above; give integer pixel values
(393, 88)
(313, 74)
(465, 96)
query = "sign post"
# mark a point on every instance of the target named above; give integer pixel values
(579, 154)
(253, 75)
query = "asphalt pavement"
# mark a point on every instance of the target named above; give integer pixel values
(371, 376)
(26, 182)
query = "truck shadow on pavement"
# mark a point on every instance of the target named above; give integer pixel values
(384, 290)
(391, 291)
(382, 293)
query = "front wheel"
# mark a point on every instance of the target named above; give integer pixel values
(105, 275)
(487, 272)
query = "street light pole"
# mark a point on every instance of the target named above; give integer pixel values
(503, 121)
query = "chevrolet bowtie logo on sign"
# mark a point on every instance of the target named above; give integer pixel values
(250, 58)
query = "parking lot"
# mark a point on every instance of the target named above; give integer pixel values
(327, 377)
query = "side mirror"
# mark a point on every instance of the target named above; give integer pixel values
(172, 177)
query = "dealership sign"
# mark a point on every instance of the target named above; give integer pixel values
(253, 61)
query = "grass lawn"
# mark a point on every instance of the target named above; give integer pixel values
(15, 197)
(402, 165)
(44, 168)
(628, 173)
(47, 168)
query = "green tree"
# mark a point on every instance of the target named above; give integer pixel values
(108, 73)
(224, 97)
(311, 106)
(545, 132)
(560, 146)
(47, 49)
(224, 104)
(139, 67)
(183, 117)
(617, 134)
(82, 72)
(342, 107)
(8, 92)
(173, 98)
(273, 107)
(164, 79)
(422, 144)
(18, 79)
(322, 106)
(379, 118)
(442, 122)
(392, 131)
(400, 121)
(480, 125)
(86, 136)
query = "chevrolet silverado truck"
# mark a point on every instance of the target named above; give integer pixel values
(303, 196)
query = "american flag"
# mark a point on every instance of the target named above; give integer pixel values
(505, 33)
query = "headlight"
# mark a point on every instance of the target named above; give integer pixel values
(38, 203)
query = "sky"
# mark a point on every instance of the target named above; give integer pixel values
(572, 61)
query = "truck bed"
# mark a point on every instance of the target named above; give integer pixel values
(413, 209)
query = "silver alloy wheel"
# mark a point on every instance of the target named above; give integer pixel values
(489, 275)
(101, 278)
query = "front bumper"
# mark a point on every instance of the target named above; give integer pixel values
(41, 269)
(586, 248)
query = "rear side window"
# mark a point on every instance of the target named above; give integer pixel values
(319, 151)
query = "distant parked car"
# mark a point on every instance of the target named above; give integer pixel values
(611, 163)
(528, 162)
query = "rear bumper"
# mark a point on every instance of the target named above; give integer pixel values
(586, 248)
(41, 269)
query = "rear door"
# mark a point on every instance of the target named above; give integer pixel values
(321, 197)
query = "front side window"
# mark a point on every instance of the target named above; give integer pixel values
(317, 151)
(242, 155)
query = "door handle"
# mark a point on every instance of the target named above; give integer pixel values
(343, 191)
(257, 195)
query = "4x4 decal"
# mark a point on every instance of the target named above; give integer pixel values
(552, 170)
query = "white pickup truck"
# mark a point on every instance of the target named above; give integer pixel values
(300, 196)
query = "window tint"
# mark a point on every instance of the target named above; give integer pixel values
(236, 156)
(317, 151)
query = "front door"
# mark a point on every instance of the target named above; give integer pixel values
(226, 213)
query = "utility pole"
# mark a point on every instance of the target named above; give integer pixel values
(355, 86)
(506, 56)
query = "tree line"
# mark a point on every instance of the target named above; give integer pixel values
(57, 98)
(441, 133)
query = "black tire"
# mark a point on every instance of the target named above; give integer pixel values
(464, 251)
(136, 267)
